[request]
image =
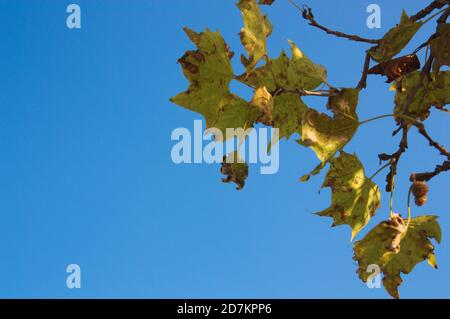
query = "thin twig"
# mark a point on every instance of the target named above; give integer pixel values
(432, 142)
(307, 14)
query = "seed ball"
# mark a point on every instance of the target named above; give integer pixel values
(420, 192)
(420, 189)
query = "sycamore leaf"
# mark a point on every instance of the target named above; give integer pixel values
(209, 72)
(414, 247)
(429, 93)
(288, 114)
(440, 47)
(257, 28)
(395, 39)
(271, 75)
(299, 72)
(235, 169)
(355, 198)
(303, 73)
(326, 135)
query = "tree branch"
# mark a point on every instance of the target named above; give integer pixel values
(426, 176)
(443, 18)
(437, 4)
(308, 15)
(432, 142)
(363, 82)
(395, 158)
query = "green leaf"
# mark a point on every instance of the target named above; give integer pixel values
(426, 94)
(299, 72)
(414, 247)
(235, 169)
(283, 111)
(395, 39)
(296, 73)
(440, 47)
(209, 72)
(355, 198)
(326, 135)
(303, 73)
(257, 28)
(288, 113)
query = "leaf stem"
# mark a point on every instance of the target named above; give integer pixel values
(379, 171)
(409, 206)
(376, 118)
(391, 200)
(371, 120)
(433, 16)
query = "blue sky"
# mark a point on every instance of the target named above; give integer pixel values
(86, 175)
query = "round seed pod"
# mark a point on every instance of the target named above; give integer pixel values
(420, 192)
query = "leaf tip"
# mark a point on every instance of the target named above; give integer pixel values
(354, 233)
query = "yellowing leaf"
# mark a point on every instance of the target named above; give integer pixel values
(430, 93)
(296, 73)
(209, 72)
(395, 39)
(288, 114)
(415, 247)
(355, 198)
(262, 100)
(440, 47)
(303, 73)
(256, 29)
(326, 135)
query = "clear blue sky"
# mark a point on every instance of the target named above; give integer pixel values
(86, 175)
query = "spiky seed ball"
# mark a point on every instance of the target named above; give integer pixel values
(420, 189)
(420, 192)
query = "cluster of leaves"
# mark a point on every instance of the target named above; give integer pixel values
(398, 244)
